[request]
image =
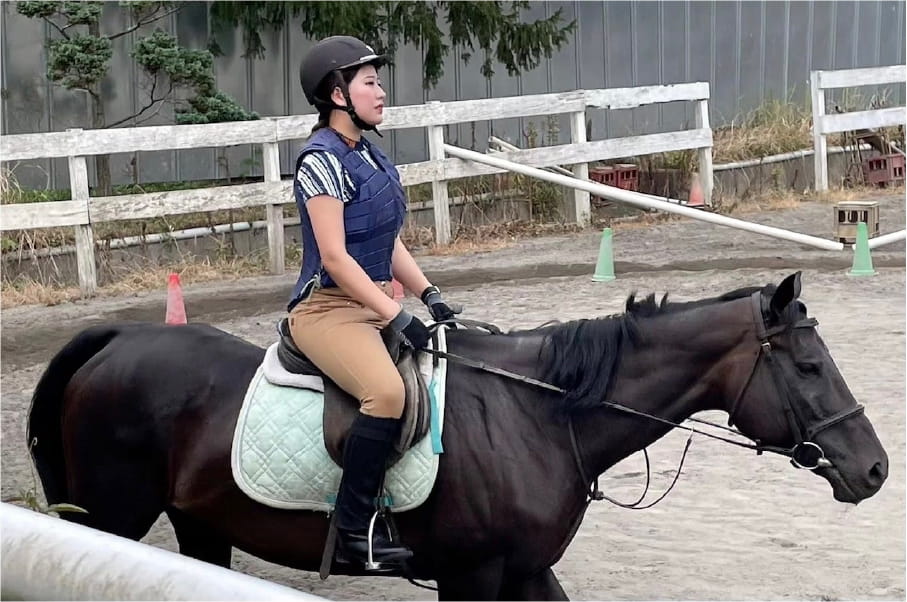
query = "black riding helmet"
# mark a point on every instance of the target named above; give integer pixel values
(336, 53)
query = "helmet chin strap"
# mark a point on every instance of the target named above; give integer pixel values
(357, 121)
(351, 111)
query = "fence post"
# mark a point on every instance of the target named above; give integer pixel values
(581, 198)
(439, 187)
(706, 176)
(271, 163)
(78, 185)
(820, 148)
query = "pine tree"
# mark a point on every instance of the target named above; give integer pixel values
(492, 28)
(78, 58)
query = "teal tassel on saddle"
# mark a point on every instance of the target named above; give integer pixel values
(435, 426)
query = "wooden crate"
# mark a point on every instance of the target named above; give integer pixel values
(849, 214)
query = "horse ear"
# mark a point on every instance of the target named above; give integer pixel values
(787, 291)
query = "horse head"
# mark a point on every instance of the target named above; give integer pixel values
(796, 401)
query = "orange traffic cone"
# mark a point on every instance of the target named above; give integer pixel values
(697, 197)
(176, 310)
(398, 290)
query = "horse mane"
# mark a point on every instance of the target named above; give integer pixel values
(581, 356)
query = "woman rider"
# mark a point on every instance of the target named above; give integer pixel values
(351, 206)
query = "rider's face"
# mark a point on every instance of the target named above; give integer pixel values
(367, 95)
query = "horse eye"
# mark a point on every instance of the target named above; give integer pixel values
(809, 369)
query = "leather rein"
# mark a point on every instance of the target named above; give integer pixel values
(804, 454)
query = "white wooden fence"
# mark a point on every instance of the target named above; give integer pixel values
(824, 124)
(83, 211)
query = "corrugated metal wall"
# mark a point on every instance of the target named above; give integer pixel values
(748, 51)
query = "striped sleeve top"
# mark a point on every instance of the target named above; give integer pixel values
(320, 173)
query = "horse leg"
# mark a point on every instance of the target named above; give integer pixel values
(477, 583)
(116, 495)
(541, 586)
(198, 541)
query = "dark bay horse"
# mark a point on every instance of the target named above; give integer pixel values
(130, 421)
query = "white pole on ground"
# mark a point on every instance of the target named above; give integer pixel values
(887, 239)
(494, 140)
(639, 200)
(46, 558)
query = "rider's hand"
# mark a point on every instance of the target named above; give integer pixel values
(437, 307)
(414, 332)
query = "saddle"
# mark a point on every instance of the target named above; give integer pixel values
(341, 408)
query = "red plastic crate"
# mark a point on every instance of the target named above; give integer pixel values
(622, 175)
(884, 170)
(603, 175)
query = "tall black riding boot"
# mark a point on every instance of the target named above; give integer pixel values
(364, 459)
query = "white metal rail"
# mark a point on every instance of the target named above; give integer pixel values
(45, 558)
(640, 200)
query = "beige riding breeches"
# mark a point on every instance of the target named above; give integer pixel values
(341, 336)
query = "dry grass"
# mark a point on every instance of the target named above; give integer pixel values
(26, 290)
(771, 129)
(775, 128)
(774, 200)
(9, 186)
(855, 193)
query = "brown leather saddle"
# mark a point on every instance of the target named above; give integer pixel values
(341, 408)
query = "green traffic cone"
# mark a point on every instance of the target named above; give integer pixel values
(862, 259)
(604, 269)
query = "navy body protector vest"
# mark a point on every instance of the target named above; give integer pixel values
(372, 220)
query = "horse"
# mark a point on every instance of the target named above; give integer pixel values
(129, 421)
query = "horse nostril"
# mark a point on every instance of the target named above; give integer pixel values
(878, 473)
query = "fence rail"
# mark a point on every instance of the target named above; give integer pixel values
(83, 211)
(824, 124)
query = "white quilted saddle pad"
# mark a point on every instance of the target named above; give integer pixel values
(279, 458)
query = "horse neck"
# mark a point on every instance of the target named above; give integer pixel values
(681, 364)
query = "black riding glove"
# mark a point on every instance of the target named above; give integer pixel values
(437, 307)
(414, 332)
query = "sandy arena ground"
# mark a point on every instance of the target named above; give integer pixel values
(737, 526)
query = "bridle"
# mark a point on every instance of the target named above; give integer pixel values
(804, 454)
